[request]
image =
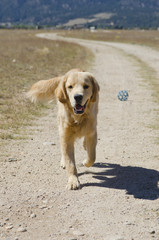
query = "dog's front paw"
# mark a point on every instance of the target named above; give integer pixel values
(73, 183)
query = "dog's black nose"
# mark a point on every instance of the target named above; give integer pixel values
(78, 98)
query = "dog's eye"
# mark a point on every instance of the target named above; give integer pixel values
(70, 87)
(85, 86)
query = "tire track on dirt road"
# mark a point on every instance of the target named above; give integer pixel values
(119, 195)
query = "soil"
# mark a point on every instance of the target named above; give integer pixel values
(119, 195)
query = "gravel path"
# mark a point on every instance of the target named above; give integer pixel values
(119, 195)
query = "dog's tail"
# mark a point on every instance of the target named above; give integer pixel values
(43, 90)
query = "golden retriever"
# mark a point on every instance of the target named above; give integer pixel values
(77, 96)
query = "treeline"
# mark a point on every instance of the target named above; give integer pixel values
(126, 13)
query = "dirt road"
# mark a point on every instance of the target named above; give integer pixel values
(119, 195)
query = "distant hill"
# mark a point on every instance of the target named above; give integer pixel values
(115, 13)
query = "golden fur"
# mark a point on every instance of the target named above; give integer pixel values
(77, 95)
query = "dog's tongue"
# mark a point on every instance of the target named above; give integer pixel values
(79, 107)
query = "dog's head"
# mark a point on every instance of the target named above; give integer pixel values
(78, 89)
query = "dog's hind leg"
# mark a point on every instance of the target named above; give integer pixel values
(63, 162)
(90, 143)
(84, 144)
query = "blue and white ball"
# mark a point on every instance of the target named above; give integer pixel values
(123, 95)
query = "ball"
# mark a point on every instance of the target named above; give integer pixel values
(123, 95)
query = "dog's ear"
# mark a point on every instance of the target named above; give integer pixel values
(95, 89)
(61, 93)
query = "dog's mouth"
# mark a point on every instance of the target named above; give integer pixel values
(79, 109)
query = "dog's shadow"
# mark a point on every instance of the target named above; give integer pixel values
(140, 182)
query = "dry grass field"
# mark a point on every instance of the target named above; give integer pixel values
(142, 37)
(25, 59)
